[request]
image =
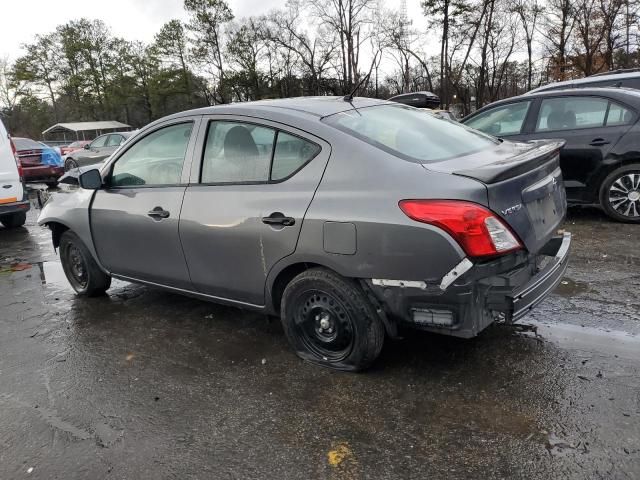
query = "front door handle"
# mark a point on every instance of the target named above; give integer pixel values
(598, 142)
(278, 218)
(158, 213)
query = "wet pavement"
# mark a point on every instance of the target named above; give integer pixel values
(147, 384)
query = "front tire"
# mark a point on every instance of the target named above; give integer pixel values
(80, 268)
(70, 164)
(14, 220)
(330, 321)
(620, 194)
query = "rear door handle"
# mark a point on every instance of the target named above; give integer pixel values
(278, 218)
(598, 142)
(158, 213)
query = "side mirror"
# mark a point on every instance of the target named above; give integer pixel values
(91, 179)
(87, 146)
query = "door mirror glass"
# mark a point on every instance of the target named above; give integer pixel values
(91, 179)
(506, 120)
(87, 146)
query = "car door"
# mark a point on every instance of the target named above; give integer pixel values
(244, 207)
(91, 154)
(590, 126)
(134, 218)
(503, 121)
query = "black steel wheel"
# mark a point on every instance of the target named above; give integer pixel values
(620, 194)
(80, 268)
(330, 321)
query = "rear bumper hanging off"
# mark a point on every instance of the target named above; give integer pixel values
(477, 294)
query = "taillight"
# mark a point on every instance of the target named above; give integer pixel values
(15, 156)
(479, 231)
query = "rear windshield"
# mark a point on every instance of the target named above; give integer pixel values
(26, 144)
(410, 133)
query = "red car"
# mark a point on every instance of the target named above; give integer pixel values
(40, 164)
(72, 147)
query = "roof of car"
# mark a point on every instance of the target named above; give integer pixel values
(602, 77)
(316, 106)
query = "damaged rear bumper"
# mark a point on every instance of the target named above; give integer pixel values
(506, 288)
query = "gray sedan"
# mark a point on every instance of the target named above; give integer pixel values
(96, 151)
(348, 218)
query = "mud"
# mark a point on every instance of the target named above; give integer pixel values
(146, 384)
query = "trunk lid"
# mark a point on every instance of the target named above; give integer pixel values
(30, 158)
(524, 186)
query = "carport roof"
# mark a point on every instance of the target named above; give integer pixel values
(85, 126)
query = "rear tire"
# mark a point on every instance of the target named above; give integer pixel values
(329, 321)
(70, 164)
(620, 194)
(80, 268)
(14, 220)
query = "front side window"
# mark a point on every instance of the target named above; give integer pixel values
(99, 142)
(237, 152)
(156, 159)
(410, 133)
(114, 140)
(501, 121)
(568, 113)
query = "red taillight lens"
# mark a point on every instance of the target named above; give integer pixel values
(15, 156)
(478, 231)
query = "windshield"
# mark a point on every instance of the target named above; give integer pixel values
(410, 133)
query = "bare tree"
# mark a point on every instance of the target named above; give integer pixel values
(528, 12)
(559, 23)
(349, 19)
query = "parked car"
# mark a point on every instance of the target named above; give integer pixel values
(14, 203)
(418, 99)
(72, 147)
(348, 219)
(601, 158)
(621, 78)
(40, 163)
(96, 151)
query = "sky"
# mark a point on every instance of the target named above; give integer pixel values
(130, 19)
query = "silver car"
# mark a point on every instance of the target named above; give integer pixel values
(96, 151)
(348, 219)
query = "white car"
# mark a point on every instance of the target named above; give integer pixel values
(14, 203)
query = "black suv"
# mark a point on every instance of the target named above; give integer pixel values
(600, 161)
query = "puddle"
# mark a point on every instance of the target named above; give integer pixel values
(569, 288)
(608, 342)
(52, 273)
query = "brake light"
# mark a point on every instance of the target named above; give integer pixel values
(479, 231)
(15, 156)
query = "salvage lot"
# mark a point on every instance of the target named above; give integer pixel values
(147, 384)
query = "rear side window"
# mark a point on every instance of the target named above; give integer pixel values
(156, 159)
(568, 113)
(505, 120)
(410, 133)
(291, 154)
(618, 115)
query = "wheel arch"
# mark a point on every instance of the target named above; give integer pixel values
(285, 274)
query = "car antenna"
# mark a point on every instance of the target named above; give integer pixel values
(349, 96)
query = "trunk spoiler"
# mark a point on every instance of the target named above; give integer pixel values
(541, 152)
